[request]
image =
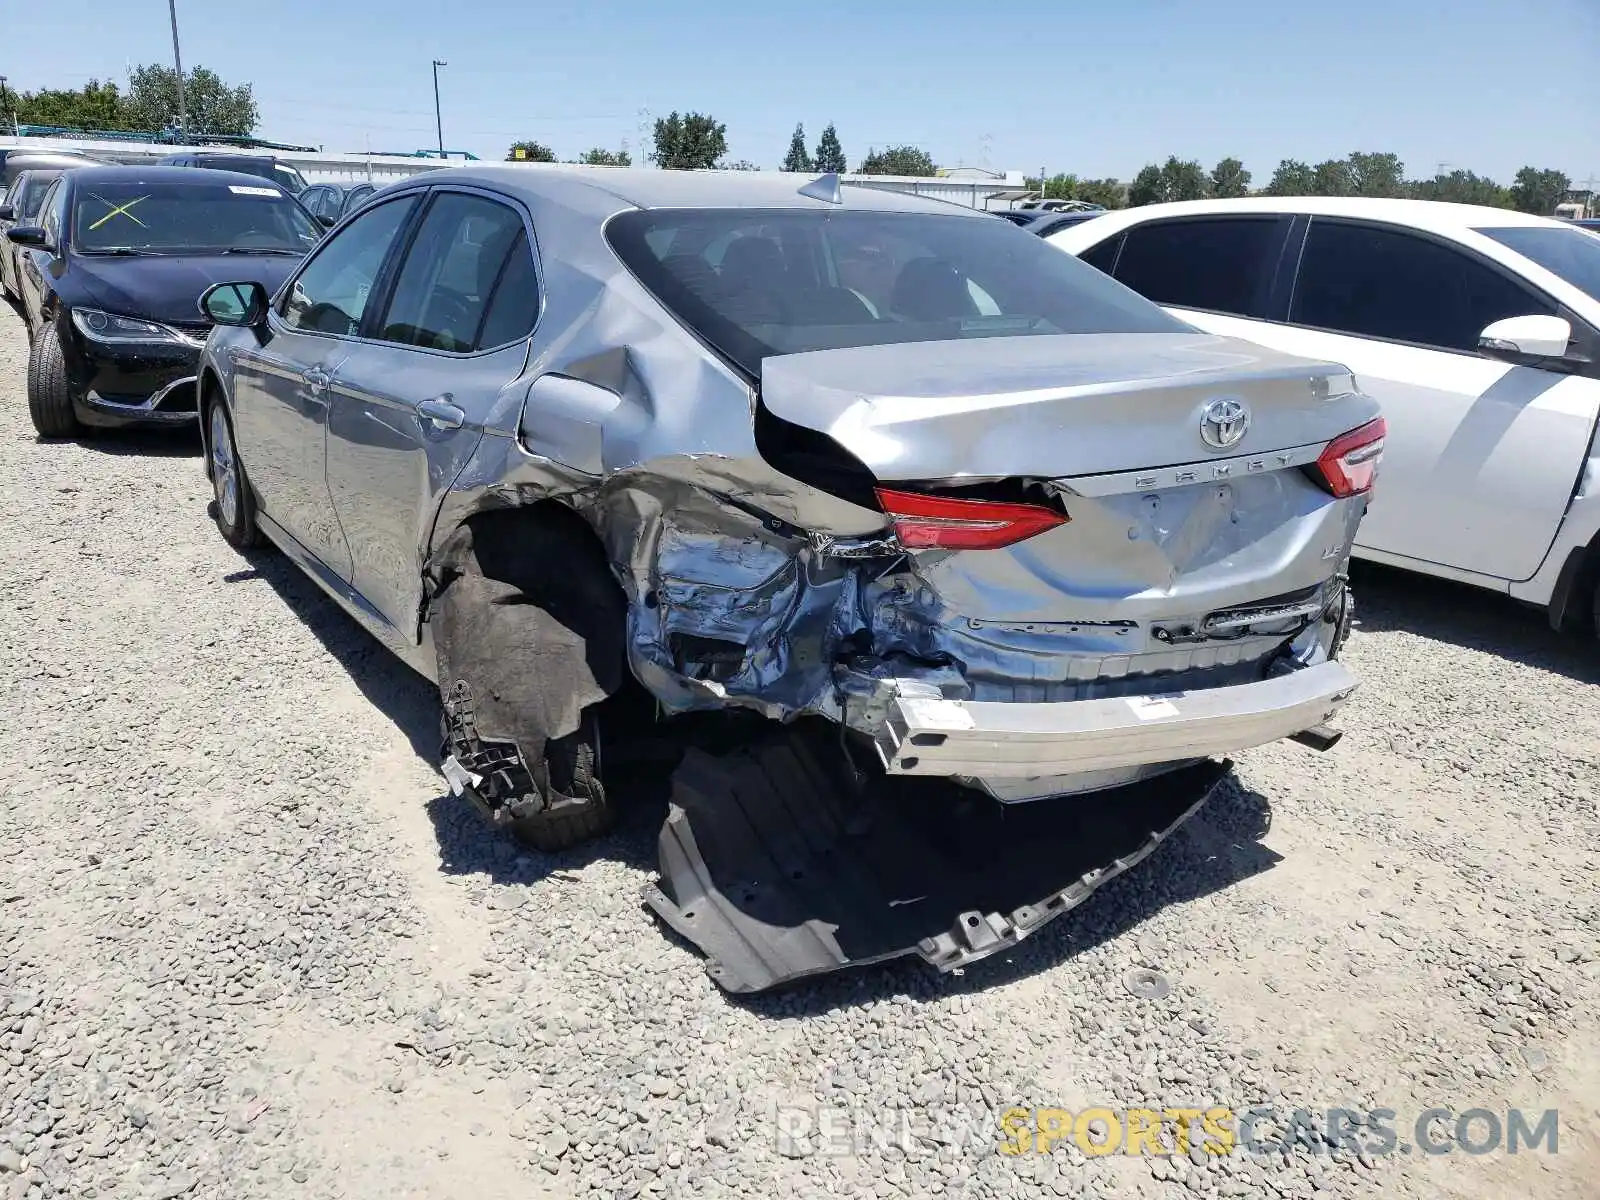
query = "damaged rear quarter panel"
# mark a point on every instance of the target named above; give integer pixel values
(623, 416)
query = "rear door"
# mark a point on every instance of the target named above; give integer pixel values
(410, 401)
(281, 386)
(1482, 457)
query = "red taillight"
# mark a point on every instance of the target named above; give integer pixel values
(1349, 465)
(941, 523)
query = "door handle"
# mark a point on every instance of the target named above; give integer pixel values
(442, 413)
(316, 379)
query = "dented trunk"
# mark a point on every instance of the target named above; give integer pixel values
(1178, 580)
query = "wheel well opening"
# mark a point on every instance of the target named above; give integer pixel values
(205, 395)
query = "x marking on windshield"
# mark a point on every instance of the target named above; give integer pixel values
(118, 210)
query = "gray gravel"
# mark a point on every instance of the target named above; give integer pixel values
(247, 949)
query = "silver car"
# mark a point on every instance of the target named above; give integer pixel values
(559, 435)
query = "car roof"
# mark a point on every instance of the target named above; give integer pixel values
(689, 189)
(234, 156)
(1434, 215)
(38, 160)
(179, 176)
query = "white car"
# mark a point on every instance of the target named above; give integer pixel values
(1476, 329)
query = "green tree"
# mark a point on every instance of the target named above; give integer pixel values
(1057, 187)
(798, 158)
(1377, 174)
(1229, 178)
(743, 164)
(1176, 179)
(1108, 193)
(830, 155)
(96, 106)
(1539, 191)
(1146, 187)
(606, 158)
(898, 160)
(1462, 187)
(1292, 178)
(690, 142)
(530, 152)
(1332, 178)
(210, 105)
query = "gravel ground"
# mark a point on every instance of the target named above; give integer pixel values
(248, 949)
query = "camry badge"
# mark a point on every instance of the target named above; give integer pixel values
(1223, 422)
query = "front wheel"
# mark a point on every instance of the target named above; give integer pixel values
(232, 507)
(49, 395)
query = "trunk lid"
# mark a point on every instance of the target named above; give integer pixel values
(1171, 542)
(1056, 406)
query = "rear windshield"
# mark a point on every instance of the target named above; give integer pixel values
(281, 174)
(757, 283)
(1573, 254)
(185, 218)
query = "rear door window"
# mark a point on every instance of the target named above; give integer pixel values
(1384, 282)
(442, 294)
(1103, 257)
(1217, 264)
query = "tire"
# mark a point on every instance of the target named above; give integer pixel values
(49, 396)
(581, 810)
(233, 505)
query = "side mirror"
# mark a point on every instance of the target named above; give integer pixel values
(28, 235)
(8, 212)
(326, 221)
(239, 304)
(1526, 340)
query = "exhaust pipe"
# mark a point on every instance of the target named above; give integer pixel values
(1318, 737)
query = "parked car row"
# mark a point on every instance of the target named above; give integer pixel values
(1476, 329)
(684, 364)
(1034, 524)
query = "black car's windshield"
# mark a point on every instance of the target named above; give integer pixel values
(188, 218)
(1573, 254)
(756, 283)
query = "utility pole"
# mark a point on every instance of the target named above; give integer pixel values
(437, 119)
(177, 60)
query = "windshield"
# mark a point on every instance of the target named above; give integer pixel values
(188, 218)
(1573, 254)
(758, 283)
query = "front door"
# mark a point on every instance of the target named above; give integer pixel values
(410, 402)
(282, 385)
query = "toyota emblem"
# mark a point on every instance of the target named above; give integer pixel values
(1223, 423)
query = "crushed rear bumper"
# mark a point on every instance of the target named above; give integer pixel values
(779, 864)
(924, 734)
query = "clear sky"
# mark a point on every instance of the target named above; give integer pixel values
(1095, 87)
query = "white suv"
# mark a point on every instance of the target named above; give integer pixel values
(1477, 330)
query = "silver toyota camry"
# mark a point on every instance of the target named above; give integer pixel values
(566, 438)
